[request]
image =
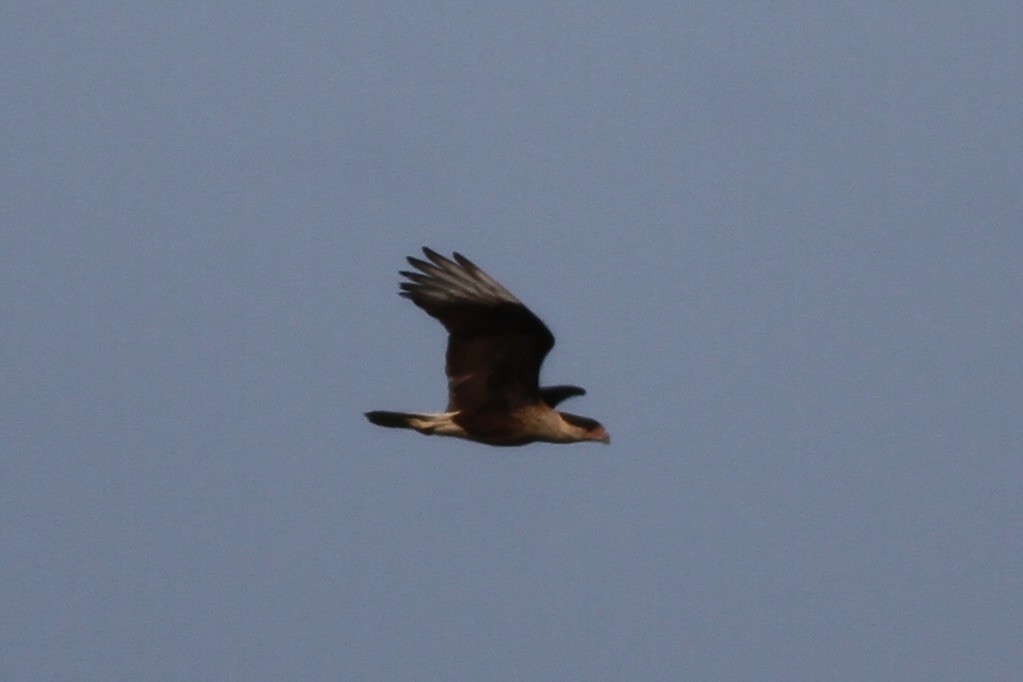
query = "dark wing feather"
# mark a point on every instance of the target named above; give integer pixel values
(495, 344)
(552, 395)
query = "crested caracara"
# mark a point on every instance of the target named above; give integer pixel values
(495, 348)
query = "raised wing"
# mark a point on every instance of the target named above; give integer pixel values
(495, 344)
(552, 395)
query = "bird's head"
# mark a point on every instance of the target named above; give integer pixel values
(586, 428)
(601, 434)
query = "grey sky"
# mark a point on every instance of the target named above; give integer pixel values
(780, 244)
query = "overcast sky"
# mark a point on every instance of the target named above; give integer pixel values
(781, 245)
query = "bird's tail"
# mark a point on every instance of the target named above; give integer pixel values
(393, 420)
(441, 423)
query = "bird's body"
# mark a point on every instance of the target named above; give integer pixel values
(495, 348)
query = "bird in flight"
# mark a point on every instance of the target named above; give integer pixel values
(495, 348)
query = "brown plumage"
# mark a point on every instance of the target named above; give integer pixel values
(495, 348)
